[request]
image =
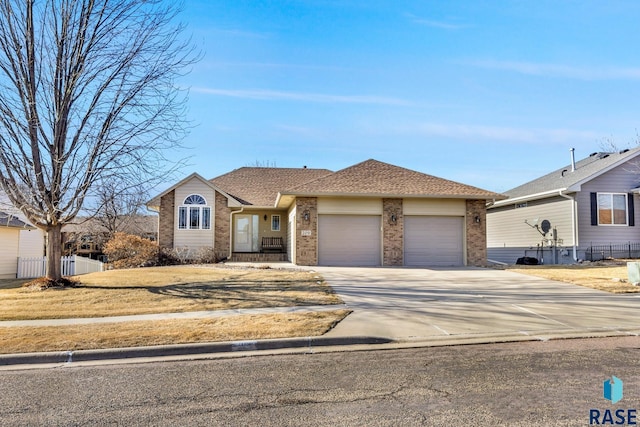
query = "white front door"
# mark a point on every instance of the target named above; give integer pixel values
(245, 238)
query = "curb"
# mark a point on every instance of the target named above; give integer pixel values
(183, 350)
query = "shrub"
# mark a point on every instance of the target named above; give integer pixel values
(184, 255)
(129, 251)
(205, 256)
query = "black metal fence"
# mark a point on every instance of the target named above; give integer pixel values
(620, 250)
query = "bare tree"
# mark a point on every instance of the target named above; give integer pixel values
(87, 93)
(118, 208)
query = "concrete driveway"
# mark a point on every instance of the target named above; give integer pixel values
(407, 304)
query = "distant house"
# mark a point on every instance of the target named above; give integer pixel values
(86, 236)
(583, 211)
(368, 214)
(17, 239)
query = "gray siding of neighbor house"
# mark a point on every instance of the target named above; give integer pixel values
(506, 225)
(544, 255)
(619, 180)
(509, 237)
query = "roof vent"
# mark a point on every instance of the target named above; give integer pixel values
(603, 155)
(592, 154)
(564, 171)
(573, 160)
(623, 151)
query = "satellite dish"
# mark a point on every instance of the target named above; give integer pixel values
(545, 226)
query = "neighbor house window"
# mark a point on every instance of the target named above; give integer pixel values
(194, 214)
(275, 222)
(612, 209)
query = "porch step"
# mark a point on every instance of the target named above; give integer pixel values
(258, 257)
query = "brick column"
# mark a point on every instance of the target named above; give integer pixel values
(222, 230)
(307, 231)
(392, 232)
(166, 220)
(476, 233)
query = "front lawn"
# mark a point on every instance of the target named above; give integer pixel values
(166, 290)
(610, 277)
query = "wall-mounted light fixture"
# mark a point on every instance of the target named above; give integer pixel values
(393, 218)
(477, 219)
(265, 217)
(306, 215)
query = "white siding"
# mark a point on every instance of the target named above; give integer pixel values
(31, 243)
(619, 180)
(194, 239)
(441, 207)
(291, 234)
(9, 247)
(506, 225)
(346, 206)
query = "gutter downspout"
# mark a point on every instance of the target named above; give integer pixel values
(574, 225)
(231, 230)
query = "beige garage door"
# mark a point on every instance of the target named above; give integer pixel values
(349, 240)
(433, 241)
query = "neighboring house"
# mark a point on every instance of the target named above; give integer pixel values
(86, 236)
(17, 239)
(582, 211)
(369, 214)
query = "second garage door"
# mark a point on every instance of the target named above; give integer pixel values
(349, 240)
(433, 241)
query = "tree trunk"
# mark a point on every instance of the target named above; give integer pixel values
(54, 253)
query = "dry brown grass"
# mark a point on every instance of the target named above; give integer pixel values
(610, 278)
(164, 332)
(165, 290)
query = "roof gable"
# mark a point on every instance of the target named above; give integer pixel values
(564, 179)
(375, 178)
(154, 204)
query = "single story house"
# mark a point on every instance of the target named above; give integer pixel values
(17, 239)
(368, 214)
(582, 211)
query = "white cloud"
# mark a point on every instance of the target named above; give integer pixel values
(435, 24)
(563, 71)
(275, 95)
(493, 133)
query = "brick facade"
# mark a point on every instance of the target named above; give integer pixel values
(166, 220)
(476, 225)
(222, 232)
(392, 232)
(306, 246)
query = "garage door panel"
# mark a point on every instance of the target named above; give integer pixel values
(433, 241)
(349, 240)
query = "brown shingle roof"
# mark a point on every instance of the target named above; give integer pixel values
(373, 177)
(260, 186)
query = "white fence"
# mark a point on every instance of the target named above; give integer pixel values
(71, 266)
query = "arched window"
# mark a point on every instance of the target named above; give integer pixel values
(194, 214)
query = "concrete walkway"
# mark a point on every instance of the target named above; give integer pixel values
(167, 316)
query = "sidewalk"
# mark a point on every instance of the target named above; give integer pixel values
(169, 316)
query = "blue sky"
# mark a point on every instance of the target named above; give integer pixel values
(488, 93)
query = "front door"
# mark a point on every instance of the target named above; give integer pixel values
(245, 238)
